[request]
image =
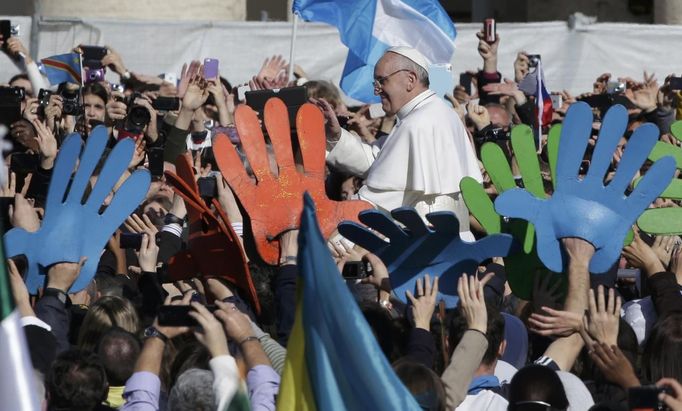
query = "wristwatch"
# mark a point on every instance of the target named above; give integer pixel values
(172, 219)
(151, 331)
(61, 295)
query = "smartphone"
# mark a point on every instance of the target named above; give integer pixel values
(155, 155)
(93, 55)
(178, 315)
(10, 104)
(675, 83)
(5, 30)
(166, 103)
(207, 187)
(211, 68)
(645, 398)
(465, 81)
(130, 240)
(23, 163)
(557, 101)
(615, 87)
(489, 30)
(293, 98)
(354, 270)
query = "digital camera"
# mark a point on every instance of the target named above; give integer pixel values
(93, 75)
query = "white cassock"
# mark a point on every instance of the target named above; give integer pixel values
(419, 164)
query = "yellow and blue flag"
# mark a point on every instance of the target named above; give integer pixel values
(333, 359)
(63, 68)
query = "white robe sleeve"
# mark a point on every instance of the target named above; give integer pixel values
(351, 155)
(37, 80)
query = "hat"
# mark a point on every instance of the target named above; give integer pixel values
(412, 54)
(516, 335)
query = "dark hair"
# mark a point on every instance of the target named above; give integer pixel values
(388, 332)
(536, 383)
(96, 89)
(661, 357)
(494, 334)
(20, 76)
(192, 355)
(76, 382)
(118, 349)
(423, 383)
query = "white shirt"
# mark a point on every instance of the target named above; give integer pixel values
(419, 164)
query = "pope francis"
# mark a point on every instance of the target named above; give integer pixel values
(421, 161)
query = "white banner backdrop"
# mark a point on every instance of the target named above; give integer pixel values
(572, 59)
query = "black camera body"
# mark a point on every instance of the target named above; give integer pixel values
(44, 97)
(137, 117)
(10, 104)
(12, 95)
(72, 101)
(533, 60)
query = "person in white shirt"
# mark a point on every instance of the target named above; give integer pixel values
(421, 162)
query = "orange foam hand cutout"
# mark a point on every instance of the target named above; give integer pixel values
(214, 249)
(274, 202)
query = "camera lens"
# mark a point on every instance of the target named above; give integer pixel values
(138, 118)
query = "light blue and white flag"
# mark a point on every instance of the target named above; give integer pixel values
(369, 27)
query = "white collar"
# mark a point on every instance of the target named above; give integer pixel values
(412, 104)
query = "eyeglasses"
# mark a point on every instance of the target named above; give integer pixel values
(379, 82)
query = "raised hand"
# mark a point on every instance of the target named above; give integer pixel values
(416, 249)
(586, 208)
(70, 228)
(424, 301)
(272, 68)
(472, 301)
(188, 74)
(214, 249)
(274, 203)
(601, 323)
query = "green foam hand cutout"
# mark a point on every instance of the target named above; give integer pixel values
(665, 221)
(521, 267)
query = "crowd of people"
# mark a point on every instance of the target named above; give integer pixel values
(581, 341)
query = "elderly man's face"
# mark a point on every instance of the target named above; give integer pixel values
(390, 83)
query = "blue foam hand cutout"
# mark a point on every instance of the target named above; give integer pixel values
(72, 228)
(586, 207)
(417, 250)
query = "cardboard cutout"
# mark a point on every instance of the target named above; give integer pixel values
(665, 221)
(214, 249)
(586, 208)
(417, 250)
(273, 202)
(521, 267)
(71, 228)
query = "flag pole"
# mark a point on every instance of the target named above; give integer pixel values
(294, 27)
(80, 91)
